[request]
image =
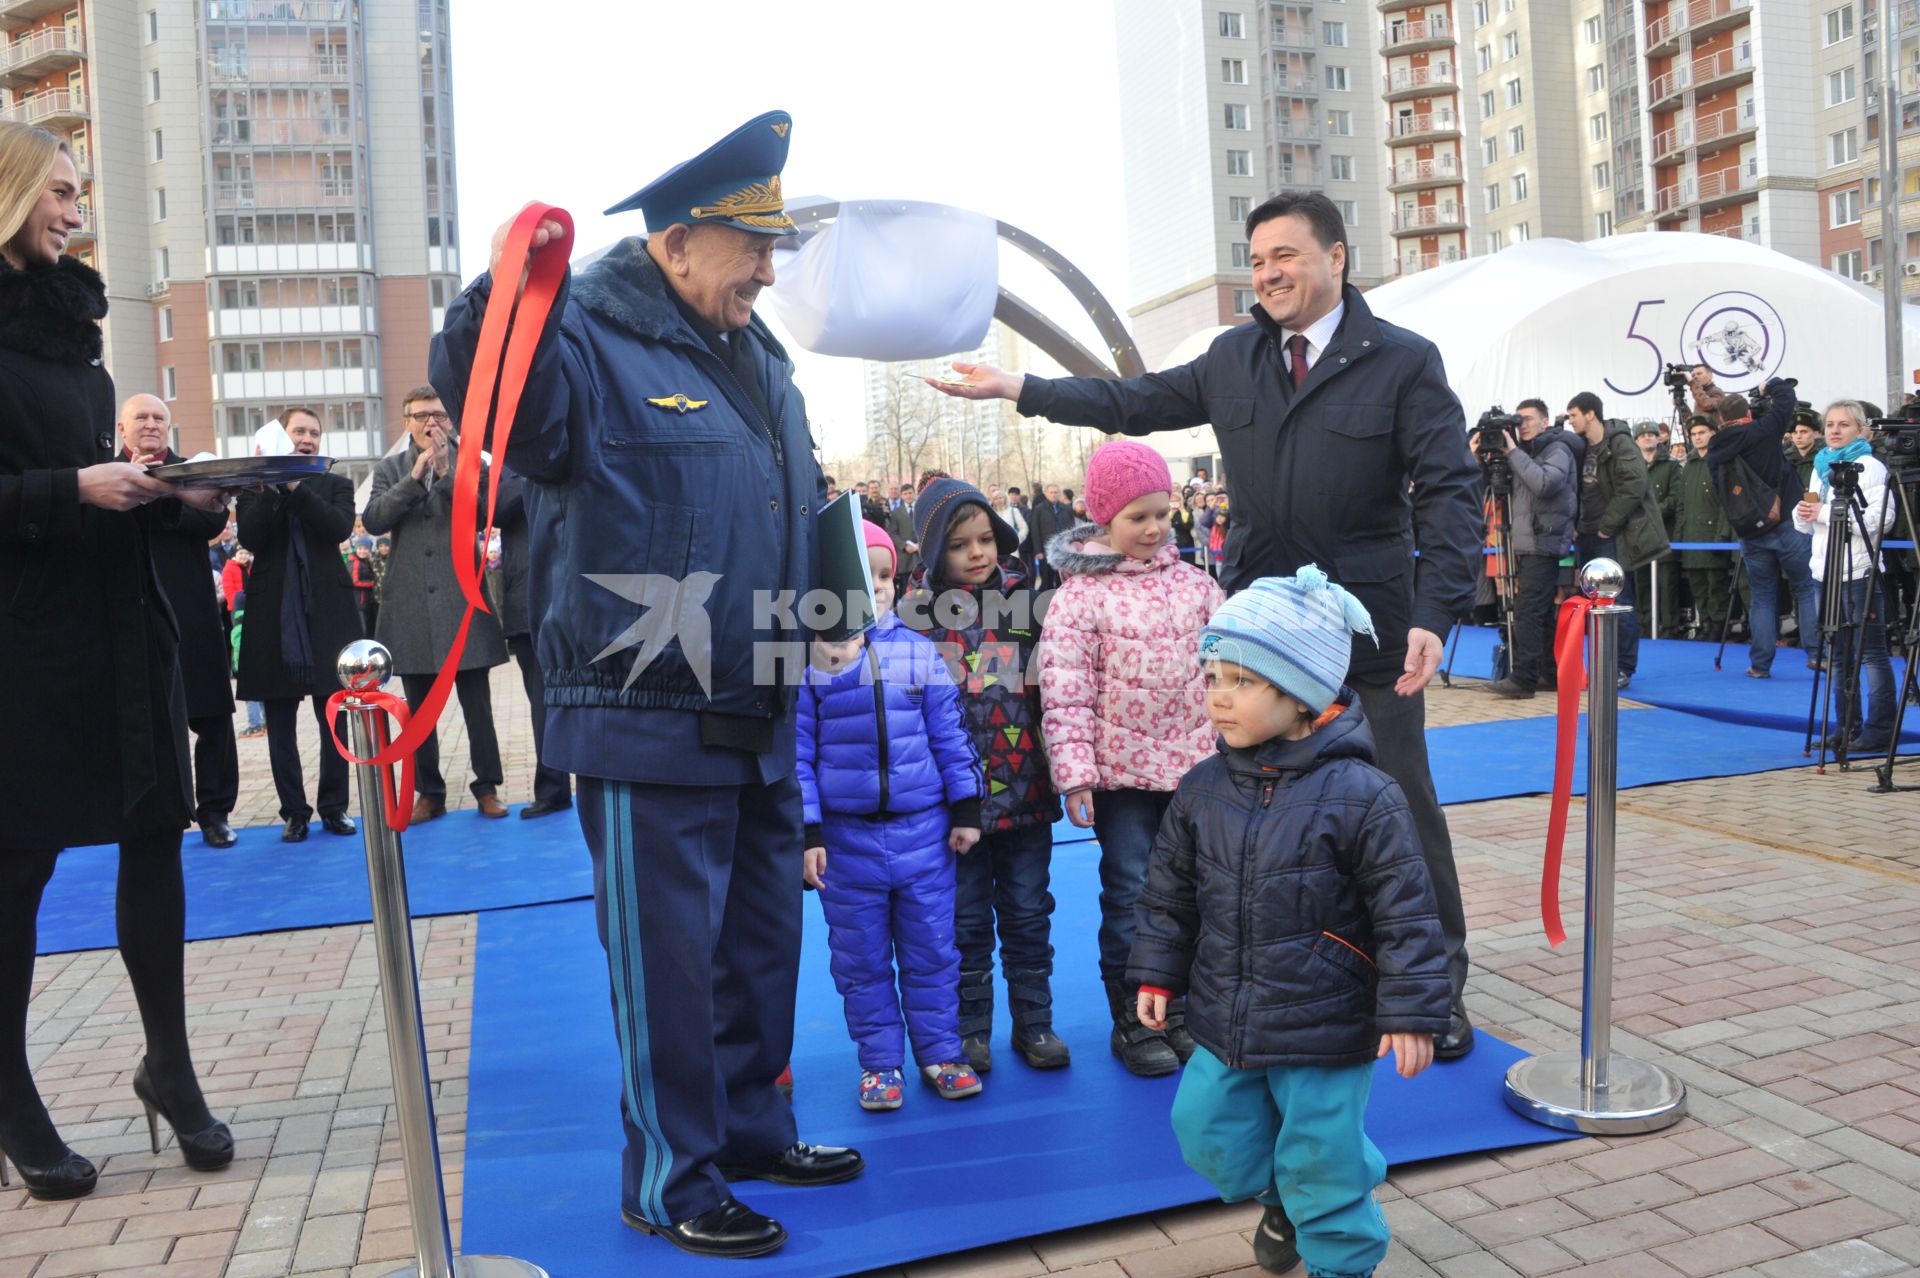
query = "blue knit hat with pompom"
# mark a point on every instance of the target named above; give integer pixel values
(1294, 632)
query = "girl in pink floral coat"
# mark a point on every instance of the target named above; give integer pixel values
(1123, 702)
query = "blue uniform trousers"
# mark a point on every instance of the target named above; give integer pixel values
(1295, 1134)
(696, 892)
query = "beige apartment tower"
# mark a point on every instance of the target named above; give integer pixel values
(269, 188)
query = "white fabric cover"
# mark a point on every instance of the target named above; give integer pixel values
(891, 280)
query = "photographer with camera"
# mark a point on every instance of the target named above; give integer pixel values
(1845, 465)
(1544, 463)
(1619, 519)
(1757, 490)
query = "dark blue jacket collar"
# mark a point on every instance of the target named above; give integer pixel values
(1347, 737)
(626, 288)
(1359, 331)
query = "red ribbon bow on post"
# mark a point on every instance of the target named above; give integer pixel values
(1570, 666)
(508, 337)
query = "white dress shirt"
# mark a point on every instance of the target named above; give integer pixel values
(1318, 334)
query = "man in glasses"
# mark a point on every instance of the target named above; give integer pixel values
(411, 500)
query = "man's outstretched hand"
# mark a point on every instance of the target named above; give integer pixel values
(1424, 650)
(983, 381)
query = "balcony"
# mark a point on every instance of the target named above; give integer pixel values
(1724, 128)
(1286, 133)
(336, 12)
(55, 109)
(295, 132)
(1670, 202)
(230, 66)
(27, 10)
(1296, 86)
(84, 231)
(1416, 36)
(1670, 145)
(1749, 231)
(1430, 220)
(1723, 68)
(1306, 176)
(1414, 263)
(1429, 127)
(39, 55)
(1414, 82)
(1393, 6)
(325, 193)
(1288, 38)
(1414, 175)
(1726, 186)
(1699, 16)
(1664, 88)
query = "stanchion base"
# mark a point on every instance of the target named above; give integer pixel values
(480, 1267)
(1638, 1097)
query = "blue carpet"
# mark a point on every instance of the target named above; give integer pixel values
(460, 863)
(1036, 1152)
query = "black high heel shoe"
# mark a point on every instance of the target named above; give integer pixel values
(207, 1150)
(71, 1177)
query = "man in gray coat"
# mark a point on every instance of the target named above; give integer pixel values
(411, 500)
(1545, 463)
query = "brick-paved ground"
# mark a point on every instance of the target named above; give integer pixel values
(1769, 952)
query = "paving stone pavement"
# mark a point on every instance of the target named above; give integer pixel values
(1768, 952)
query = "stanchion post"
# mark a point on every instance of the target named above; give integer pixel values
(364, 666)
(1597, 1090)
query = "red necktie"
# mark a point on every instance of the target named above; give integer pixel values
(1297, 350)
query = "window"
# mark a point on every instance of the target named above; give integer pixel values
(1873, 191)
(166, 325)
(162, 265)
(1513, 92)
(1602, 225)
(1592, 30)
(160, 204)
(1233, 71)
(1840, 24)
(1522, 233)
(1231, 27)
(1243, 301)
(159, 148)
(1238, 207)
(1333, 34)
(1340, 124)
(1479, 13)
(1349, 213)
(1489, 150)
(1840, 86)
(1596, 79)
(1602, 176)
(1844, 207)
(1494, 244)
(153, 25)
(1236, 116)
(1843, 147)
(1519, 187)
(1597, 127)
(1493, 196)
(1509, 46)
(1239, 164)
(1516, 140)
(1336, 78)
(153, 84)
(1847, 264)
(1483, 57)
(169, 388)
(1242, 255)
(1340, 167)
(1487, 107)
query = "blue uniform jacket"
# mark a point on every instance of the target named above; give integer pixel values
(646, 456)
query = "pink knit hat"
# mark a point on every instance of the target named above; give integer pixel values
(1120, 471)
(878, 536)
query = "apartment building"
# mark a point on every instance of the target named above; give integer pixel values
(269, 193)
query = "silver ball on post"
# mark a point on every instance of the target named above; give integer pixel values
(1602, 579)
(365, 665)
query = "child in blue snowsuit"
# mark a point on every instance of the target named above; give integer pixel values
(1287, 899)
(891, 788)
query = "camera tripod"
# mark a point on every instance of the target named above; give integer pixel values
(1907, 482)
(1842, 632)
(1499, 482)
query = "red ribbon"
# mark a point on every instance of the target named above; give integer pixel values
(509, 334)
(1570, 665)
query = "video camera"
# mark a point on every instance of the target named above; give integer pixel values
(1490, 433)
(1759, 401)
(1900, 435)
(1678, 378)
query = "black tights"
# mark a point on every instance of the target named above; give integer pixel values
(150, 911)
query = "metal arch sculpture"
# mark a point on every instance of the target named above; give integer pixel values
(1014, 311)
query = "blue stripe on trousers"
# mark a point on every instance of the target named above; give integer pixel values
(630, 1000)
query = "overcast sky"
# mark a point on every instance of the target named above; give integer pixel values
(1007, 107)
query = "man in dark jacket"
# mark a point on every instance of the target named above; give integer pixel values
(1618, 518)
(670, 466)
(1663, 474)
(1051, 517)
(300, 614)
(1778, 549)
(410, 501)
(179, 534)
(906, 550)
(1338, 436)
(552, 788)
(1545, 465)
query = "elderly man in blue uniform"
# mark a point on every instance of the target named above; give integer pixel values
(672, 485)
(1339, 439)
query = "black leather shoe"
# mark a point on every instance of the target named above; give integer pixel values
(1458, 1040)
(216, 833)
(296, 831)
(338, 823)
(1273, 1246)
(207, 1150)
(542, 808)
(732, 1230)
(71, 1177)
(802, 1164)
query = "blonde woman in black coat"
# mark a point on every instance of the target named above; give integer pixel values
(92, 717)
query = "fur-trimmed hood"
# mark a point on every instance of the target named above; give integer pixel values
(625, 285)
(53, 312)
(1080, 551)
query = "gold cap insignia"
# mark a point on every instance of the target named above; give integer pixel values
(780, 129)
(678, 403)
(758, 204)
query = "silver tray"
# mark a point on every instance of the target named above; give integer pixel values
(242, 472)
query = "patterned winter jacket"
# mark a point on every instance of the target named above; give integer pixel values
(1121, 689)
(987, 635)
